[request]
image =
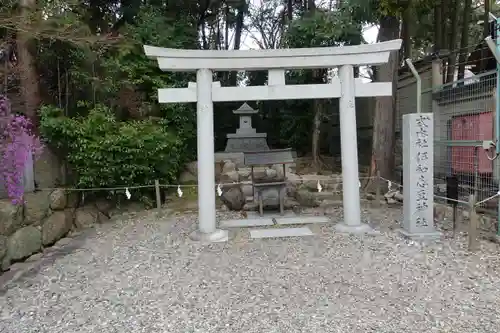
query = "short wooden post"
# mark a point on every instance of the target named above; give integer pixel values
(158, 194)
(378, 196)
(473, 224)
(455, 211)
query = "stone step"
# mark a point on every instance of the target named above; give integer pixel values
(286, 232)
(251, 222)
(302, 220)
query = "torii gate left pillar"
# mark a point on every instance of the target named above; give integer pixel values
(206, 159)
(205, 92)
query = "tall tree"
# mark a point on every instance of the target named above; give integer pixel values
(439, 27)
(406, 34)
(30, 89)
(452, 59)
(464, 39)
(238, 30)
(383, 141)
(486, 32)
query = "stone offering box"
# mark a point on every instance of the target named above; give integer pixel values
(261, 187)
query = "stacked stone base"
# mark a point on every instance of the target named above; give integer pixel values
(41, 221)
(237, 191)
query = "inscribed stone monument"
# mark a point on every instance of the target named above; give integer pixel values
(246, 137)
(418, 204)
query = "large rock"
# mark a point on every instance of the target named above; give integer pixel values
(279, 170)
(73, 199)
(191, 173)
(306, 198)
(11, 217)
(48, 169)
(259, 174)
(326, 182)
(330, 203)
(244, 173)
(36, 206)
(250, 206)
(247, 190)
(58, 199)
(192, 168)
(399, 196)
(233, 198)
(188, 178)
(229, 166)
(88, 216)
(23, 243)
(291, 203)
(291, 190)
(104, 206)
(3, 247)
(271, 174)
(56, 226)
(229, 177)
(218, 169)
(371, 187)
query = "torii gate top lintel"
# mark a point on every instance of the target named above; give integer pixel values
(230, 60)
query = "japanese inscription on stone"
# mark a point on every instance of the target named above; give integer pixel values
(422, 124)
(418, 173)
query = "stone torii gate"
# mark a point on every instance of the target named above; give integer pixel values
(205, 92)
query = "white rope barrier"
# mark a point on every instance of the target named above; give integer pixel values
(320, 182)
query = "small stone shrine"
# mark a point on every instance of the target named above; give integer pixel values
(246, 137)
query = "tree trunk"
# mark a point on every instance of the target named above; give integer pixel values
(444, 31)
(226, 28)
(486, 32)
(238, 30)
(289, 10)
(464, 39)
(438, 28)
(318, 76)
(444, 21)
(384, 138)
(405, 31)
(202, 24)
(311, 5)
(316, 132)
(30, 90)
(452, 59)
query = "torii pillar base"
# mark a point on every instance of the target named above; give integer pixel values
(218, 236)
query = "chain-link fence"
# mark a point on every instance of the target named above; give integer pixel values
(464, 117)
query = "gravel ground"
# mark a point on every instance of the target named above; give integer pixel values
(144, 275)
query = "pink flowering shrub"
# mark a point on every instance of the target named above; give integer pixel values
(17, 141)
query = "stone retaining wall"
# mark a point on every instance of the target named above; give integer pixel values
(302, 190)
(44, 218)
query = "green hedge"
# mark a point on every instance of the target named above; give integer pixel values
(105, 152)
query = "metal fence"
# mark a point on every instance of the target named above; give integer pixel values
(464, 117)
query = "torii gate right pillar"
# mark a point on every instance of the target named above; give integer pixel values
(349, 152)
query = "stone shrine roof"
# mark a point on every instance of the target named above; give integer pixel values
(245, 109)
